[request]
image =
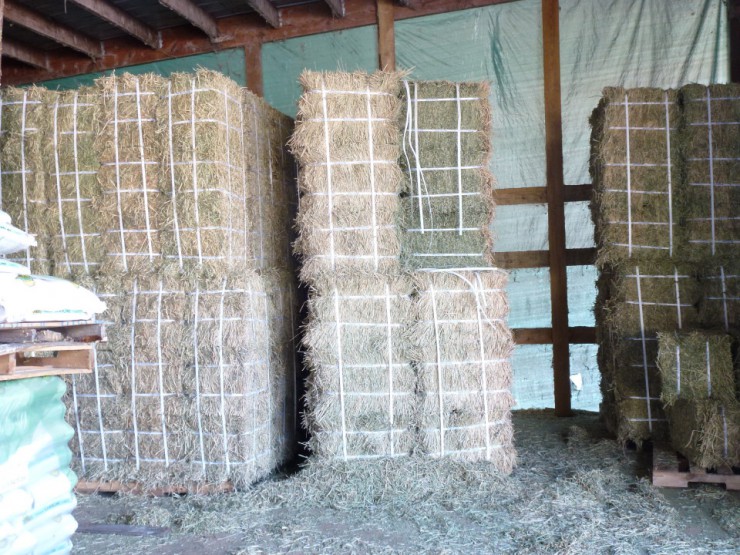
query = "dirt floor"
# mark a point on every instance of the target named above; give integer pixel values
(574, 491)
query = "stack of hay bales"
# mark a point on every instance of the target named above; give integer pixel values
(666, 230)
(147, 182)
(407, 354)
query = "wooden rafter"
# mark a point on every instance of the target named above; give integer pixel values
(337, 7)
(25, 54)
(41, 25)
(267, 11)
(386, 35)
(194, 14)
(121, 19)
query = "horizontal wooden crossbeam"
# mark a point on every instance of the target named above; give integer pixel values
(121, 19)
(579, 335)
(25, 54)
(538, 195)
(514, 260)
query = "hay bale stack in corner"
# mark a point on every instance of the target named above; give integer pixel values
(23, 116)
(446, 151)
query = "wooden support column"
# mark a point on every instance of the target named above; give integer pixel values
(253, 62)
(386, 35)
(556, 206)
(2, 10)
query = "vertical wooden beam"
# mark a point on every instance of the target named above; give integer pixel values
(386, 35)
(556, 205)
(253, 62)
(2, 10)
(733, 12)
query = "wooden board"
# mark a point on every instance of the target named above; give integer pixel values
(88, 487)
(83, 331)
(671, 470)
(33, 360)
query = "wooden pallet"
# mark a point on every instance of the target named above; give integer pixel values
(83, 331)
(672, 470)
(87, 487)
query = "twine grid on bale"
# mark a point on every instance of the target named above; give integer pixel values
(24, 114)
(635, 166)
(710, 140)
(446, 149)
(347, 142)
(360, 397)
(720, 302)
(76, 244)
(463, 350)
(695, 366)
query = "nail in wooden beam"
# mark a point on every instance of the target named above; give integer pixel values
(337, 7)
(386, 35)
(267, 11)
(119, 18)
(25, 54)
(194, 14)
(41, 25)
(556, 206)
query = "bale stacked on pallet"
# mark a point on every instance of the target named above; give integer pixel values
(463, 363)
(204, 174)
(24, 114)
(347, 142)
(446, 150)
(710, 137)
(361, 391)
(130, 150)
(76, 244)
(636, 175)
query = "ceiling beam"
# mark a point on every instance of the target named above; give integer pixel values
(25, 54)
(267, 10)
(121, 19)
(193, 13)
(337, 7)
(41, 25)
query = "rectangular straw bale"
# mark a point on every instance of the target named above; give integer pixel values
(361, 388)
(652, 297)
(23, 116)
(204, 174)
(347, 143)
(636, 171)
(75, 222)
(720, 296)
(446, 147)
(131, 149)
(707, 432)
(711, 135)
(271, 186)
(464, 365)
(695, 365)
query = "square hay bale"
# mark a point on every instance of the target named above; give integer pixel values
(347, 143)
(23, 116)
(652, 297)
(720, 296)
(183, 391)
(73, 190)
(463, 360)
(361, 397)
(707, 432)
(204, 173)
(694, 366)
(636, 171)
(710, 138)
(131, 148)
(271, 188)
(446, 147)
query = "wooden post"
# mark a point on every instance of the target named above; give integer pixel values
(386, 35)
(2, 9)
(253, 62)
(556, 206)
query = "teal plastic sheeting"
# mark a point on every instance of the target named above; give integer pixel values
(283, 61)
(229, 62)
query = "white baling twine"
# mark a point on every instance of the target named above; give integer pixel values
(330, 203)
(459, 158)
(709, 372)
(338, 321)
(389, 339)
(172, 176)
(161, 374)
(77, 182)
(268, 360)
(670, 186)
(371, 146)
(133, 372)
(194, 172)
(258, 143)
(23, 174)
(711, 167)
(484, 377)
(629, 176)
(678, 370)
(221, 373)
(100, 409)
(143, 172)
(118, 185)
(724, 297)
(412, 127)
(439, 373)
(58, 184)
(644, 348)
(196, 356)
(228, 174)
(678, 297)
